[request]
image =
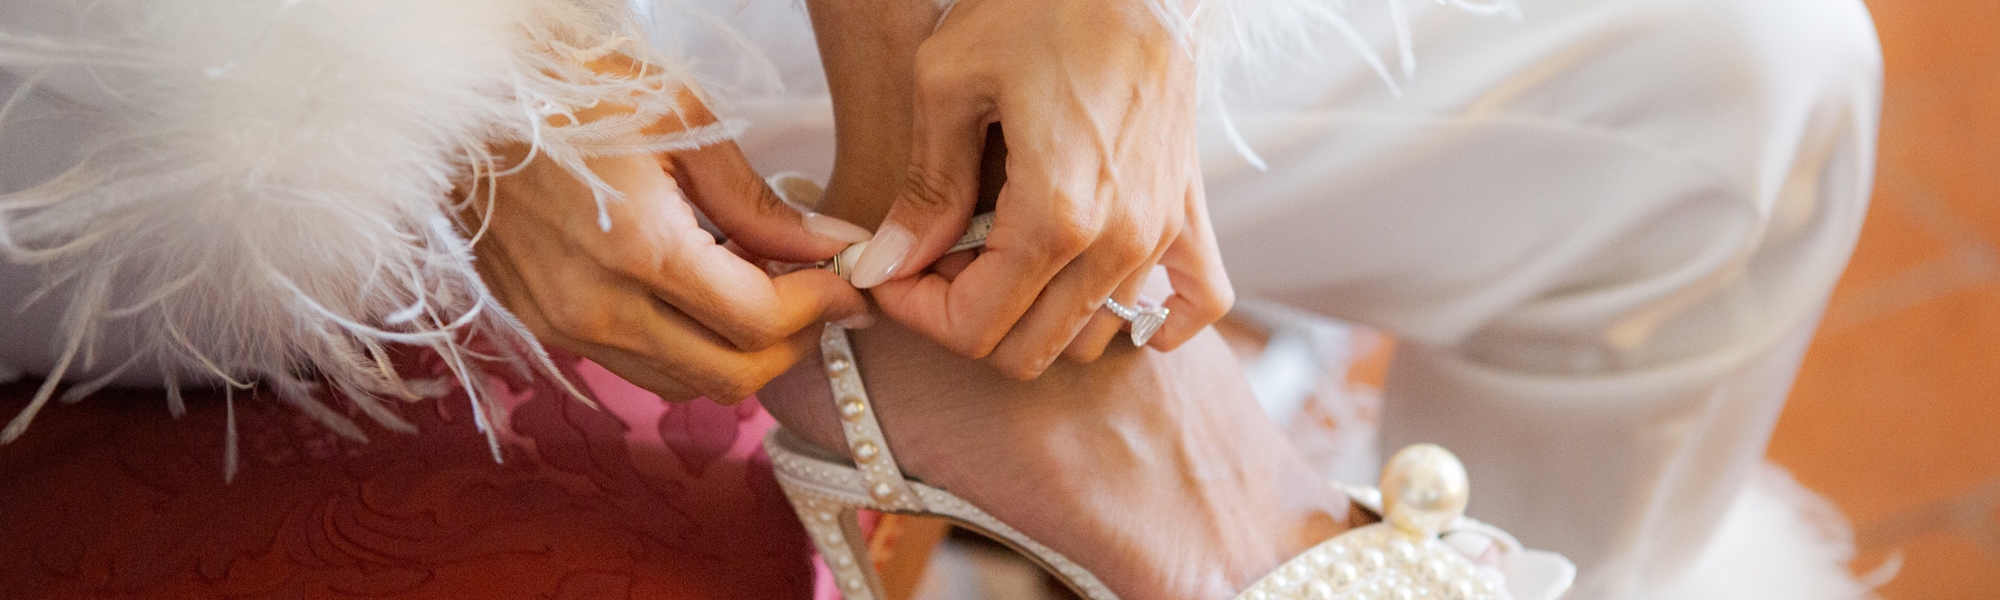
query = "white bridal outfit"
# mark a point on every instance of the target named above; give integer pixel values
(1603, 231)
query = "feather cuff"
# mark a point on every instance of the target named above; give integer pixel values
(274, 202)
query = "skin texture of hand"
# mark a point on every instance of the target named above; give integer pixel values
(1102, 180)
(656, 299)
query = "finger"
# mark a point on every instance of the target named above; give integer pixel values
(1202, 293)
(1103, 327)
(948, 136)
(509, 287)
(1030, 243)
(718, 180)
(638, 371)
(745, 305)
(1120, 256)
(695, 357)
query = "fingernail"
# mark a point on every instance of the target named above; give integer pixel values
(860, 321)
(796, 189)
(835, 229)
(885, 253)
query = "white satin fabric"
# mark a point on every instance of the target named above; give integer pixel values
(1603, 234)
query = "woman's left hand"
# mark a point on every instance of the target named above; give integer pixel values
(1097, 100)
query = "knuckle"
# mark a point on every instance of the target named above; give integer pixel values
(1066, 237)
(927, 189)
(1130, 247)
(936, 70)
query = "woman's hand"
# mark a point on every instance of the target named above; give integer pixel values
(657, 300)
(1103, 182)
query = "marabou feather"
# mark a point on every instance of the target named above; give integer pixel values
(274, 199)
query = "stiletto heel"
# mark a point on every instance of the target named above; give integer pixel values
(1423, 496)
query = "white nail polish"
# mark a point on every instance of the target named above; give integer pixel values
(835, 229)
(884, 255)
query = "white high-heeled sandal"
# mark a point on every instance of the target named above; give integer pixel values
(1423, 494)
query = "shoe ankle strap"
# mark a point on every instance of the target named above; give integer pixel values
(870, 450)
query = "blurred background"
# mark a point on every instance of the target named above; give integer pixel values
(1896, 415)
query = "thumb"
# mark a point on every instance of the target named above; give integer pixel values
(939, 195)
(719, 181)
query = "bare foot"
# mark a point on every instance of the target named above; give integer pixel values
(1156, 471)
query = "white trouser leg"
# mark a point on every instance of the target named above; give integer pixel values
(1604, 234)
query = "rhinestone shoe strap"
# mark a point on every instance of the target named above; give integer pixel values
(864, 434)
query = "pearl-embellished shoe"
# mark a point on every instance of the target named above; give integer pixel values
(1416, 551)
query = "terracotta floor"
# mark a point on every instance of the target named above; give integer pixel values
(1896, 416)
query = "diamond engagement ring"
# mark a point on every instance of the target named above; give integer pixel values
(1145, 321)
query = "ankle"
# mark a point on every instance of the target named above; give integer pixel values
(1158, 472)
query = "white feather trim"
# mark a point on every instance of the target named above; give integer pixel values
(273, 204)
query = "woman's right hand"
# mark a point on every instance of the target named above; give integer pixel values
(657, 300)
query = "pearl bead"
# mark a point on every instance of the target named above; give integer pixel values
(851, 408)
(866, 451)
(1372, 560)
(845, 561)
(1319, 590)
(1433, 569)
(837, 364)
(882, 491)
(1424, 489)
(1344, 574)
(1403, 551)
(1459, 590)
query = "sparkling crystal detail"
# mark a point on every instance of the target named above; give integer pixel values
(866, 451)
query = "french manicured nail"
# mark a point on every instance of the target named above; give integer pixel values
(885, 253)
(835, 229)
(860, 321)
